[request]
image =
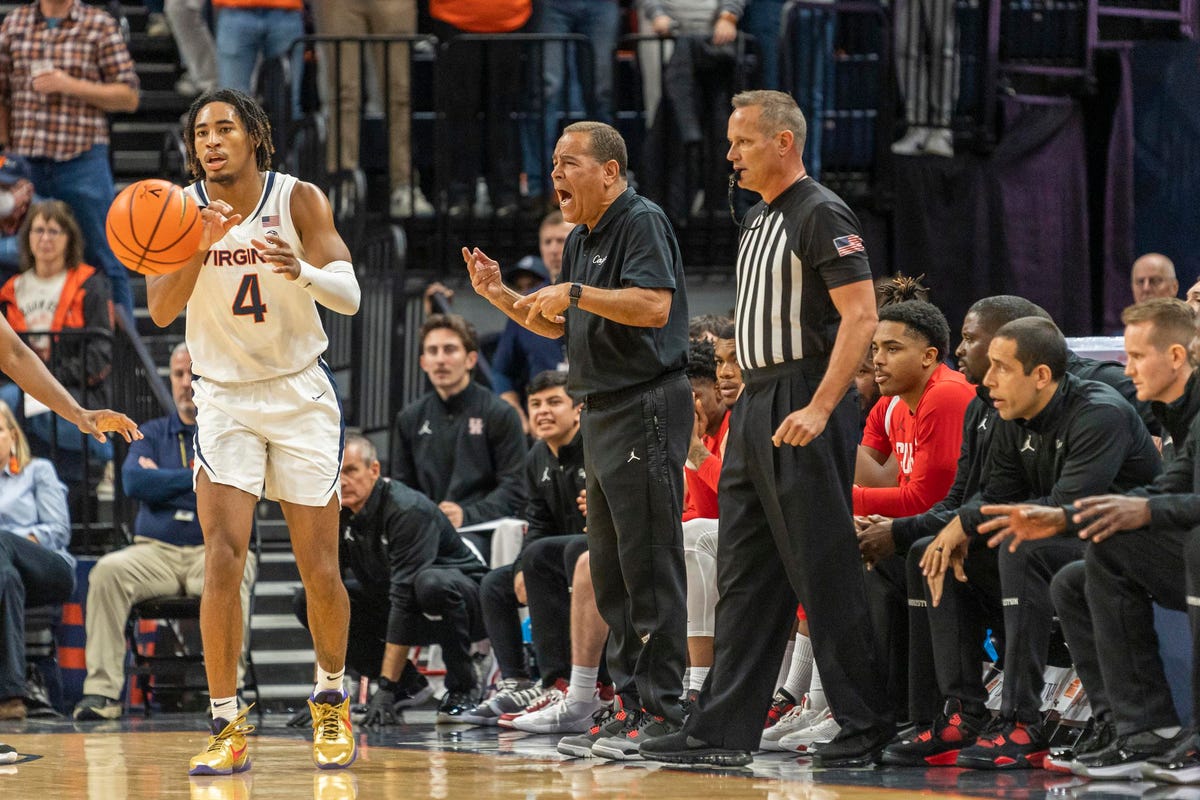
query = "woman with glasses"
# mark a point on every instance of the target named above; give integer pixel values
(55, 292)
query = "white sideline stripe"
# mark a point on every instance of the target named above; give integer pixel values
(284, 657)
(275, 622)
(276, 588)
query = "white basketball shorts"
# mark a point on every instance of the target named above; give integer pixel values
(280, 438)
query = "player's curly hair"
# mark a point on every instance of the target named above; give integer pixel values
(249, 113)
(923, 319)
(899, 288)
(702, 361)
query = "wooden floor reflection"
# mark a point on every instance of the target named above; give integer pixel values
(136, 759)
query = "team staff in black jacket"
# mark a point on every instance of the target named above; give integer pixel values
(1058, 438)
(554, 478)
(1104, 601)
(411, 578)
(459, 445)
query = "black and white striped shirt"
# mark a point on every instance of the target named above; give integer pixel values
(802, 245)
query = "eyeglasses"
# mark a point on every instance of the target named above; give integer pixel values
(53, 233)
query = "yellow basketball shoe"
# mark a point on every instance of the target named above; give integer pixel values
(333, 736)
(227, 750)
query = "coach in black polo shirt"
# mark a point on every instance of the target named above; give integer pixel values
(622, 306)
(805, 315)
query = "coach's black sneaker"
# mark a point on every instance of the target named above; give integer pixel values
(608, 721)
(1126, 755)
(1006, 744)
(628, 747)
(454, 705)
(688, 702)
(1181, 765)
(861, 749)
(1099, 736)
(939, 744)
(679, 748)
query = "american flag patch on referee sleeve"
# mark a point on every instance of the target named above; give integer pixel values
(848, 244)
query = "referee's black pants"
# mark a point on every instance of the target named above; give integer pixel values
(634, 445)
(960, 621)
(786, 532)
(1126, 574)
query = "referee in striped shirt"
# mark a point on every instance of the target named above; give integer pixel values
(805, 315)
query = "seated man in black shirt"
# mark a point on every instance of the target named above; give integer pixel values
(412, 580)
(554, 477)
(459, 445)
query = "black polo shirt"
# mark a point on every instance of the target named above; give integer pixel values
(633, 244)
(806, 242)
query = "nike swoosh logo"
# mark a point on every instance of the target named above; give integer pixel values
(237, 754)
(322, 394)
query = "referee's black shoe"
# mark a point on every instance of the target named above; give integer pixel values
(858, 749)
(680, 748)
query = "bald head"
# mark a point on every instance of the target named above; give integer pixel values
(1153, 275)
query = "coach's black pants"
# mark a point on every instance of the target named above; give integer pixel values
(1125, 575)
(960, 621)
(786, 533)
(634, 445)
(1068, 591)
(1029, 619)
(549, 566)
(447, 614)
(498, 601)
(904, 645)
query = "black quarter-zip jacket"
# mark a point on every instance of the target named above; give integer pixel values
(398, 533)
(468, 449)
(1088, 440)
(553, 484)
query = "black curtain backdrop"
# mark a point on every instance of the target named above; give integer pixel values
(1166, 154)
(1014, 223)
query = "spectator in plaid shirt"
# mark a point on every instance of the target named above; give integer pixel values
(63, 68)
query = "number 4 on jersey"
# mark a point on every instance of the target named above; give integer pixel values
(248, 299)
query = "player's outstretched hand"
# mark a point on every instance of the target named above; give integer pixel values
(279, 255)
(381, 710)
(105, 420)
(218, 218)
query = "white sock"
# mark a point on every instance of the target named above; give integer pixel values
(803, 670)
(329, 681)
(583, 684)
(816, 692)
(224, 708)
(697, 677)
(687, 679)
(785, 666)
(1167, 733)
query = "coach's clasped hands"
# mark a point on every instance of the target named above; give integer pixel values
(548, 302)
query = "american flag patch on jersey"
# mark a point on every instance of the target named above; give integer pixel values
(272, 221)
(849, 244)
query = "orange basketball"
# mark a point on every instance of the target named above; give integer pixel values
(153, 227)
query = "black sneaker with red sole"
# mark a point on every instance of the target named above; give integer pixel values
(939, 744)
(1006, 744)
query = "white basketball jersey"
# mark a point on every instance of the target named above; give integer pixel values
(244, 322)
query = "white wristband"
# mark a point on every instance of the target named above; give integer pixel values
(334, 287)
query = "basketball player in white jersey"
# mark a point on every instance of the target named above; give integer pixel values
(268, 416)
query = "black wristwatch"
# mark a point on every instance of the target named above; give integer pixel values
(576, 293)
(388, 685)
